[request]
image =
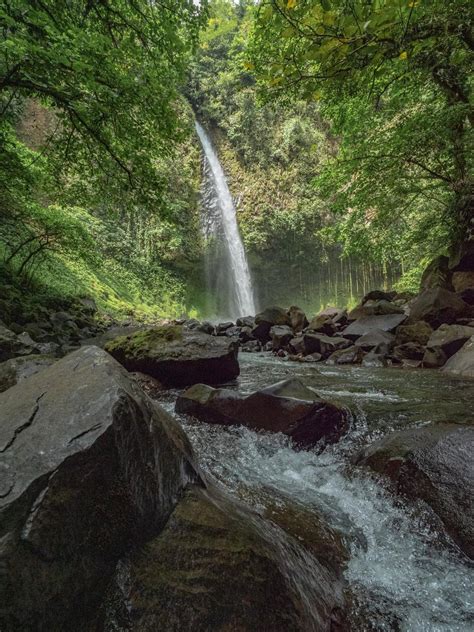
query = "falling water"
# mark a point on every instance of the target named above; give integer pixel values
(238, 282)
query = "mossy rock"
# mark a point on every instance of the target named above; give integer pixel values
(177, 357)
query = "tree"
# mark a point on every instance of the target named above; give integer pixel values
(393, 77)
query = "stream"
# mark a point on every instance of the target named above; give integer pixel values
(404, 573)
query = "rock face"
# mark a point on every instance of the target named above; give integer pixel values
(386, 322)
(437, 306)
(176, 357)
(450, 338)
(216, 566)
(288, 407)
(462, 362)
(16, 369)
(433, 463)
(89, 463)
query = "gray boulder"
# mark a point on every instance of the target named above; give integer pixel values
(17, 369)
(351, 355)
(288, 407)
(432, 463)
(366, 324)
(450, 338)
(437, 306)
(325, 345)
(90, 465)
(462, 362)
(281, 336)
(298, 320)
(375, 338)
(12, 345)
(177, 357)
(265, 320)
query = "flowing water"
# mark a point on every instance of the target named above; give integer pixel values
(233, 268)
(406, 575)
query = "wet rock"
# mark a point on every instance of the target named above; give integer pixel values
(12, 345)
(366, 324)
(281, 336)
(312, 357)
(432, 463)
(437, 306)
(374, 308)
(246, 321)
(176, 357)
(437, 275)
(325, 345)
(17, 369)
(89, 466)
(207, 328)
(288, 407)
(266, 320)
(322, 324)
(462, 362)
(378, 295)
(252, 346)
(296, 345)
(434, 358)
(450, 338)
(409, 351)
(419, 332)
(375, 338)
(351, 355)
(216, 565)
(221, 328)
(298, 320)
(374, 360)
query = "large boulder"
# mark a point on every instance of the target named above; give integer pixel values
(218, 566)
(437, 306)
(89, 466)
(298, 320)
(366, 324)
(281, 336)
(432, 463)
(350, 355)
(265, 320)
(374, 308)
(288, 407)
(378, 295)
(325, 345)
(176, 356)
(419, 332)
(376, 338)
(450, 338)
(462, 362)
(17, 369)
(322, 324)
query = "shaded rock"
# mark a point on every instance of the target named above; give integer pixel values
(148, 384)
(409, 351)
(322, 324)
(419, 332)
(378, 295)
(89, 465)
(450, 338)
(206, 327)
(437, 275)
(312, 357)
(17, 369)
(233, 332)
(252, 346)
(335, 314)
(266, 320)
(12, 345)
(375, 338)
(246, 321)
(288, 407)
(325, 345)
(245, 334)
(463, 280)
(296, 345)
(298, 320)
(467, 295)
(281, 336)
(221, 328)
(374, 308)
(433, 463)
(462, 362)
(364, 325)
(351, 355)
(176, 357)
(437, 306)
(215, 566)
(434, 358)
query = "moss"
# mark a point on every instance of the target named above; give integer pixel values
(143, 342)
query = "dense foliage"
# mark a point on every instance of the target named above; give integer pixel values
(394, 80)
(98, 177)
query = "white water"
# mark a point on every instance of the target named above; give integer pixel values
(407, 577)
(240, 282)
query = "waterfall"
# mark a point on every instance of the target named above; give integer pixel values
(234, 270)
